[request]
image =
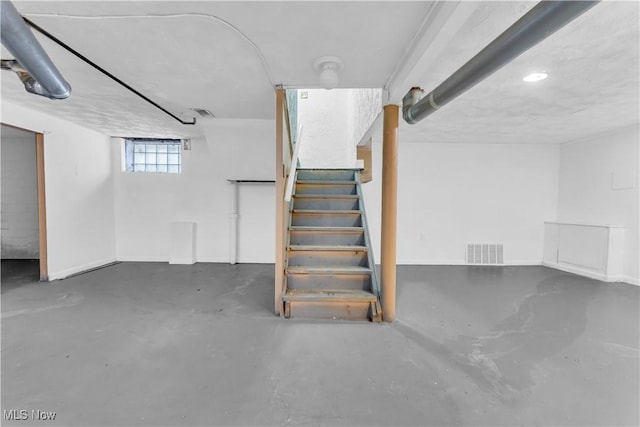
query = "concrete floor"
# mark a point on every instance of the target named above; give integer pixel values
(158, 344)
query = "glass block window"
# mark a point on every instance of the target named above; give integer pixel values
(153, 155)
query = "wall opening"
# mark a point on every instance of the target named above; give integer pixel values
(22, 210)
(334, 122)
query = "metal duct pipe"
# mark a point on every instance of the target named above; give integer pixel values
(544, 19)
(20, 41)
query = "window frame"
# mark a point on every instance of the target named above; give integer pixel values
(143, 155)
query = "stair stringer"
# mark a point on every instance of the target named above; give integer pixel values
(376, 314)
(372, 309)
(287, 243)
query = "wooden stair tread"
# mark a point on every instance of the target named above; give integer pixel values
(325, 182)
(325, 211)
(329, 169)
(326, 196)
(348, 248)
(299, 269)
(329, 295)
(327, 229)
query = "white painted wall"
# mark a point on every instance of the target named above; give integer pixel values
(588, 172)
(79, 191)
(364, 106)
(449, 195)
(19, 234)
(325, 117)
(334, 121)
(146, 204)
(453, 194)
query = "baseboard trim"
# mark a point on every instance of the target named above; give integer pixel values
(142, 259)
(516, 263)
(81, 269)
(576, 270)
(189, 261)
(591, 274)
(248, 262)
(85, 268)
(182, 261)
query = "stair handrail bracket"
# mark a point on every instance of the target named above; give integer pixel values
(291, 179)
(544, 19)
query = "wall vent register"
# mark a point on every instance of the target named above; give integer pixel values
(485, 254)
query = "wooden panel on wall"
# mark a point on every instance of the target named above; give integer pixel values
(364, 153)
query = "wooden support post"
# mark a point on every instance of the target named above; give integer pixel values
(280, 184)
(389, 211)
(42, 209)
(363, 152)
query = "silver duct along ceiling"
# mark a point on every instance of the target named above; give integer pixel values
(544, 19)
(32, 64)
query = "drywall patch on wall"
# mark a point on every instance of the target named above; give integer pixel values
(19, 233)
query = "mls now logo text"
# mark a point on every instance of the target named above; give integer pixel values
(23, 415)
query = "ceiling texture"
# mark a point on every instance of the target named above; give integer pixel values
(226, 57)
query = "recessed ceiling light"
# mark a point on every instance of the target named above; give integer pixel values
(535, 77)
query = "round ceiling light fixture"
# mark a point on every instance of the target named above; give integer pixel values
(535, 77)
(329, 68)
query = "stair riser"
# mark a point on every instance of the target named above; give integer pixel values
(329, 310)
(328, 275)
(326, 220)
(326, 281)
(328, 258)
(326, 238)
(326, 204)
(326, 175)
(325, 188)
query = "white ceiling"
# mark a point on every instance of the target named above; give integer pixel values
(211, 58)
(226, 56)
(592, 88)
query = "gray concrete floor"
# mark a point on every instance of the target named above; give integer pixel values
(158, 344)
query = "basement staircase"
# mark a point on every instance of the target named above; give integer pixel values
(329, 267)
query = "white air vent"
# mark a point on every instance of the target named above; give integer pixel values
(485, 253)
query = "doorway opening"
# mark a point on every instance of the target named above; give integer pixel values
(23, 242)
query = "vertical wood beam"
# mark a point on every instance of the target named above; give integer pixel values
(389, 211)
(280, 184)
(363, 152)
(42, 209)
